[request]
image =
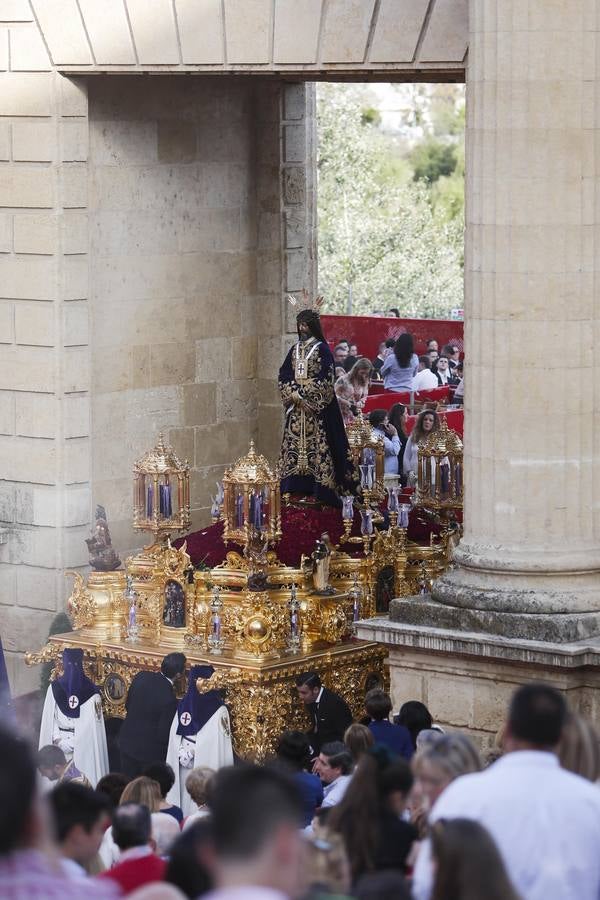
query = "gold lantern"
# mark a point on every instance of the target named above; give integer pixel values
(440, 470)
(161, 492)
(251, 501)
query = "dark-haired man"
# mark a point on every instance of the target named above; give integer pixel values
(256, 817)
(53, 765)
(397, 738)
(334, 766)
(80, 816)
(330, 714)
(544, 819)
(138, 864)
(25, 871)
(150, 705)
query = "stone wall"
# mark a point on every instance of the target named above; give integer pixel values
(44, 378)
(186, 272)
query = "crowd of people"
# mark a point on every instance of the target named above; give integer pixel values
(388, 806)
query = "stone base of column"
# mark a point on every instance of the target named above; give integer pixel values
(425, 610)
(466, 679)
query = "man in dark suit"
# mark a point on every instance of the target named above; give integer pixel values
(329, 713)
(150, 705)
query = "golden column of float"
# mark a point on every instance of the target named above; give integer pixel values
(258, 622)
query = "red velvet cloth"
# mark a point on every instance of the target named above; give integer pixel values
(301, 527)
(369, 331)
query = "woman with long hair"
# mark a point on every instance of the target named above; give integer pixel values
(467, 863)
(415, 716)
(146, 792)
(352, 389)
(397, 417)
(427, 422)
(400, 367)
(368, 815)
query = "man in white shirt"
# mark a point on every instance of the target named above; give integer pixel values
(544, 819)
(425, 379)
(334, 768)
(256, 818)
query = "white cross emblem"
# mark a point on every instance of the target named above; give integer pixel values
(185, 719)
(73, 701)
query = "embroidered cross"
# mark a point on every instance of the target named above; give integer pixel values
(185, 718)
(73, 701)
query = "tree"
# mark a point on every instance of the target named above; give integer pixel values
(380, 241)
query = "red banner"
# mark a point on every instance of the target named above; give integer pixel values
(368, 331)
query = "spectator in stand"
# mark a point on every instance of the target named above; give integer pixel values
(398, 416)
(444, 373)
(459, 393)
(391, 442)
(164, 776)
(138, 864)
(344, 342)
(425, 379)
(467, 863)
(353, 350)
(334, 767)
(349, 363)
(294, 755)
(394, 311)
(256, 817)
(340, 353)
(80, 817)
(28, 869)
(453, 353)
(544, 819)
(427, 422)
(400, 367)
(433, 357)
(432, 344)
(352, 389)
(369, 815)
(358, 739)
(415, 716)
(395, 737)
(385, 348)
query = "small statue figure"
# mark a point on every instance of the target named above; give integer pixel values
(102, 555)
(174, 610)
(256, 554)
(321, 557)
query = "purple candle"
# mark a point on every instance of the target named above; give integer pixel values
(239, 511)
(444, 477)
(216, 626)
(168, 505)
(150, 501)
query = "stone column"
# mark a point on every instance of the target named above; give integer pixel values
(529, 561)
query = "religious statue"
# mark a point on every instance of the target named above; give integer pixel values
(314, 458)
(256, 553)
(174, 609)
(102, 554)
(318, 565)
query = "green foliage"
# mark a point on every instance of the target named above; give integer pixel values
(433, 159)
(384, 240)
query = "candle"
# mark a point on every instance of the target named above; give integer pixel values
(392, 500)
(149, 501)
(239, 511)
(348, 507)
(216, 626)
(444, 477)
(168, 503)
(404, 510)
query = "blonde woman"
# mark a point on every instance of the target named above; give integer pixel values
(146, 792)
(352, 389)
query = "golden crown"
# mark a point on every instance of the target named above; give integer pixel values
(304, 302)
